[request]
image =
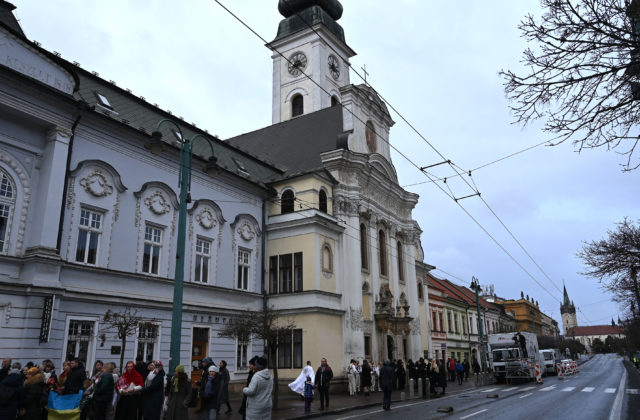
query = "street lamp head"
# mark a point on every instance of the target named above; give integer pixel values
(155, 145)
(212, 168)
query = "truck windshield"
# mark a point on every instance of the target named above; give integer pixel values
(501, 355)
(548, 355)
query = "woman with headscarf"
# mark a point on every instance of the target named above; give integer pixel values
(129, 386)
(179, 393)
(152, 394)
(62, 379)
(32, 402)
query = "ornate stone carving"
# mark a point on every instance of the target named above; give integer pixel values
(96, 184)
(157, 203)
(206, 219)
(384, 305)
(414, 325)
(356, 318)
(246, 232)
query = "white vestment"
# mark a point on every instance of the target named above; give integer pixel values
(297, 386)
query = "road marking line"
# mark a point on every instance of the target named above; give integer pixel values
(610, 391)
(567, 389)
(528, 388)
(489, 390)
(588, 389)
(616, 408)
(633, 391)
(526, 395)
(511, 389)
(547, 389)
(473, 414)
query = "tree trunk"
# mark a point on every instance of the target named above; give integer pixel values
(636, 288)
(122, 349)
(275, 385)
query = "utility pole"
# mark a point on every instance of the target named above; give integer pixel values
(475, 285)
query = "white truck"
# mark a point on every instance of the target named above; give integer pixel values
(548, 359)
(513, 355)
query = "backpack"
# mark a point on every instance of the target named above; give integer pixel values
(7, 394)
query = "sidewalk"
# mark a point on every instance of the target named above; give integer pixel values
(291, 406)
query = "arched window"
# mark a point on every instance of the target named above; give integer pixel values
(327, 259)
(322, 201)
(364, 260)
(382, 248)
(335, 101)
(286, 202)
(297, 105)
(400, 262)
(7, 202)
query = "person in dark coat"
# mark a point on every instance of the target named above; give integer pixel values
(179, 393)
(210, 393)
(6, 368)
(152, 393)
(442, 376)
(32, 401)
(324, 374)
(103, 392)
(75, 378)
(365, 377)
(225, 378)
(129, 386)
(387, 378)
(252, 370)
(11, 389)
(401, 374)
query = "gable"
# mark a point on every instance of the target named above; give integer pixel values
(19, 56)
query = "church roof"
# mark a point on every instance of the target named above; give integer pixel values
(595, 330)
(295, 145)
(304, 13)
(7, 17)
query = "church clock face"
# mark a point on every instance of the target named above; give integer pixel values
(334, 67)
(297, 64)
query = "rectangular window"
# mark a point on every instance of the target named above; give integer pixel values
(297, 348)
(88, 236)
(244, 263)
(5, 210)
(285, 273)
(152, 248)
(441, 323)
(273, 274)
(79, 339)
(297, 271)
(203, 260)
(464, 326)
(284, 351)
(471, 325)
(367, 347)
(434, 326)
(449, 323)
(455, 317)
(242, 350)
(147, 341)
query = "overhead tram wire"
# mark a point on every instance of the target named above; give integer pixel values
(459, 171)
(429, 176)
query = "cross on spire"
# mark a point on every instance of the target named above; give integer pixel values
(366, 73)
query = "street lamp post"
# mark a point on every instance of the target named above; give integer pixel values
(156, 146)
(475, 285)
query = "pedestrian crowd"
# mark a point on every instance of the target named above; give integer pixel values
(142, 392)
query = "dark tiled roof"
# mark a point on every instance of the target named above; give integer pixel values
(8, 19)
(295, 145)
(595, 330)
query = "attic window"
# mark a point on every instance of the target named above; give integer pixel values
(103, 101)
(240, 166)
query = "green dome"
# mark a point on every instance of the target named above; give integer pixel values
(289, 8)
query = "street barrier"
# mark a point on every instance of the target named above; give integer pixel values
(559, 370)
(538, 374)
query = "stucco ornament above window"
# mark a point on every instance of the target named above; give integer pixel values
(246, 231)
(206, 219)
(96, 184)
(157, 203)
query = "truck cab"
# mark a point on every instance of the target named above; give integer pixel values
(548, 360)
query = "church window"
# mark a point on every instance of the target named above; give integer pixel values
(152, 248)
(400, 262)
(364, 260)
(7, 203)
(335, 101)
(322, 201)
(297, 105)
(382, 249)
(203, 259)
(244, 265)
(286, 202)
(88, 236)
(285, 273)
(420, 290)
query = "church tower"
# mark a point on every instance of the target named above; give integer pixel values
(568, 311)
(317, 58)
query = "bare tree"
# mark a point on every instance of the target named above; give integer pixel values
(615, 262)
(265, 325)
(125, 323)
(583, 74)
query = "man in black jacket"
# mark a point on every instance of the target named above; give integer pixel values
(324, 374)
(75, 378)
(387, 378)
(6, 367)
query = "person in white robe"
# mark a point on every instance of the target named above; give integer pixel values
(297, 386)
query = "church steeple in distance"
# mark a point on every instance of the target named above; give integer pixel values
(568, 313)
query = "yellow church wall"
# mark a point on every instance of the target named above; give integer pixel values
(306, 189)
(321, 337)
(366, 307)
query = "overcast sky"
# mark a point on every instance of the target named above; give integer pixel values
(437, 63)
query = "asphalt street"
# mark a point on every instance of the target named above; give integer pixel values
(599, 391)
